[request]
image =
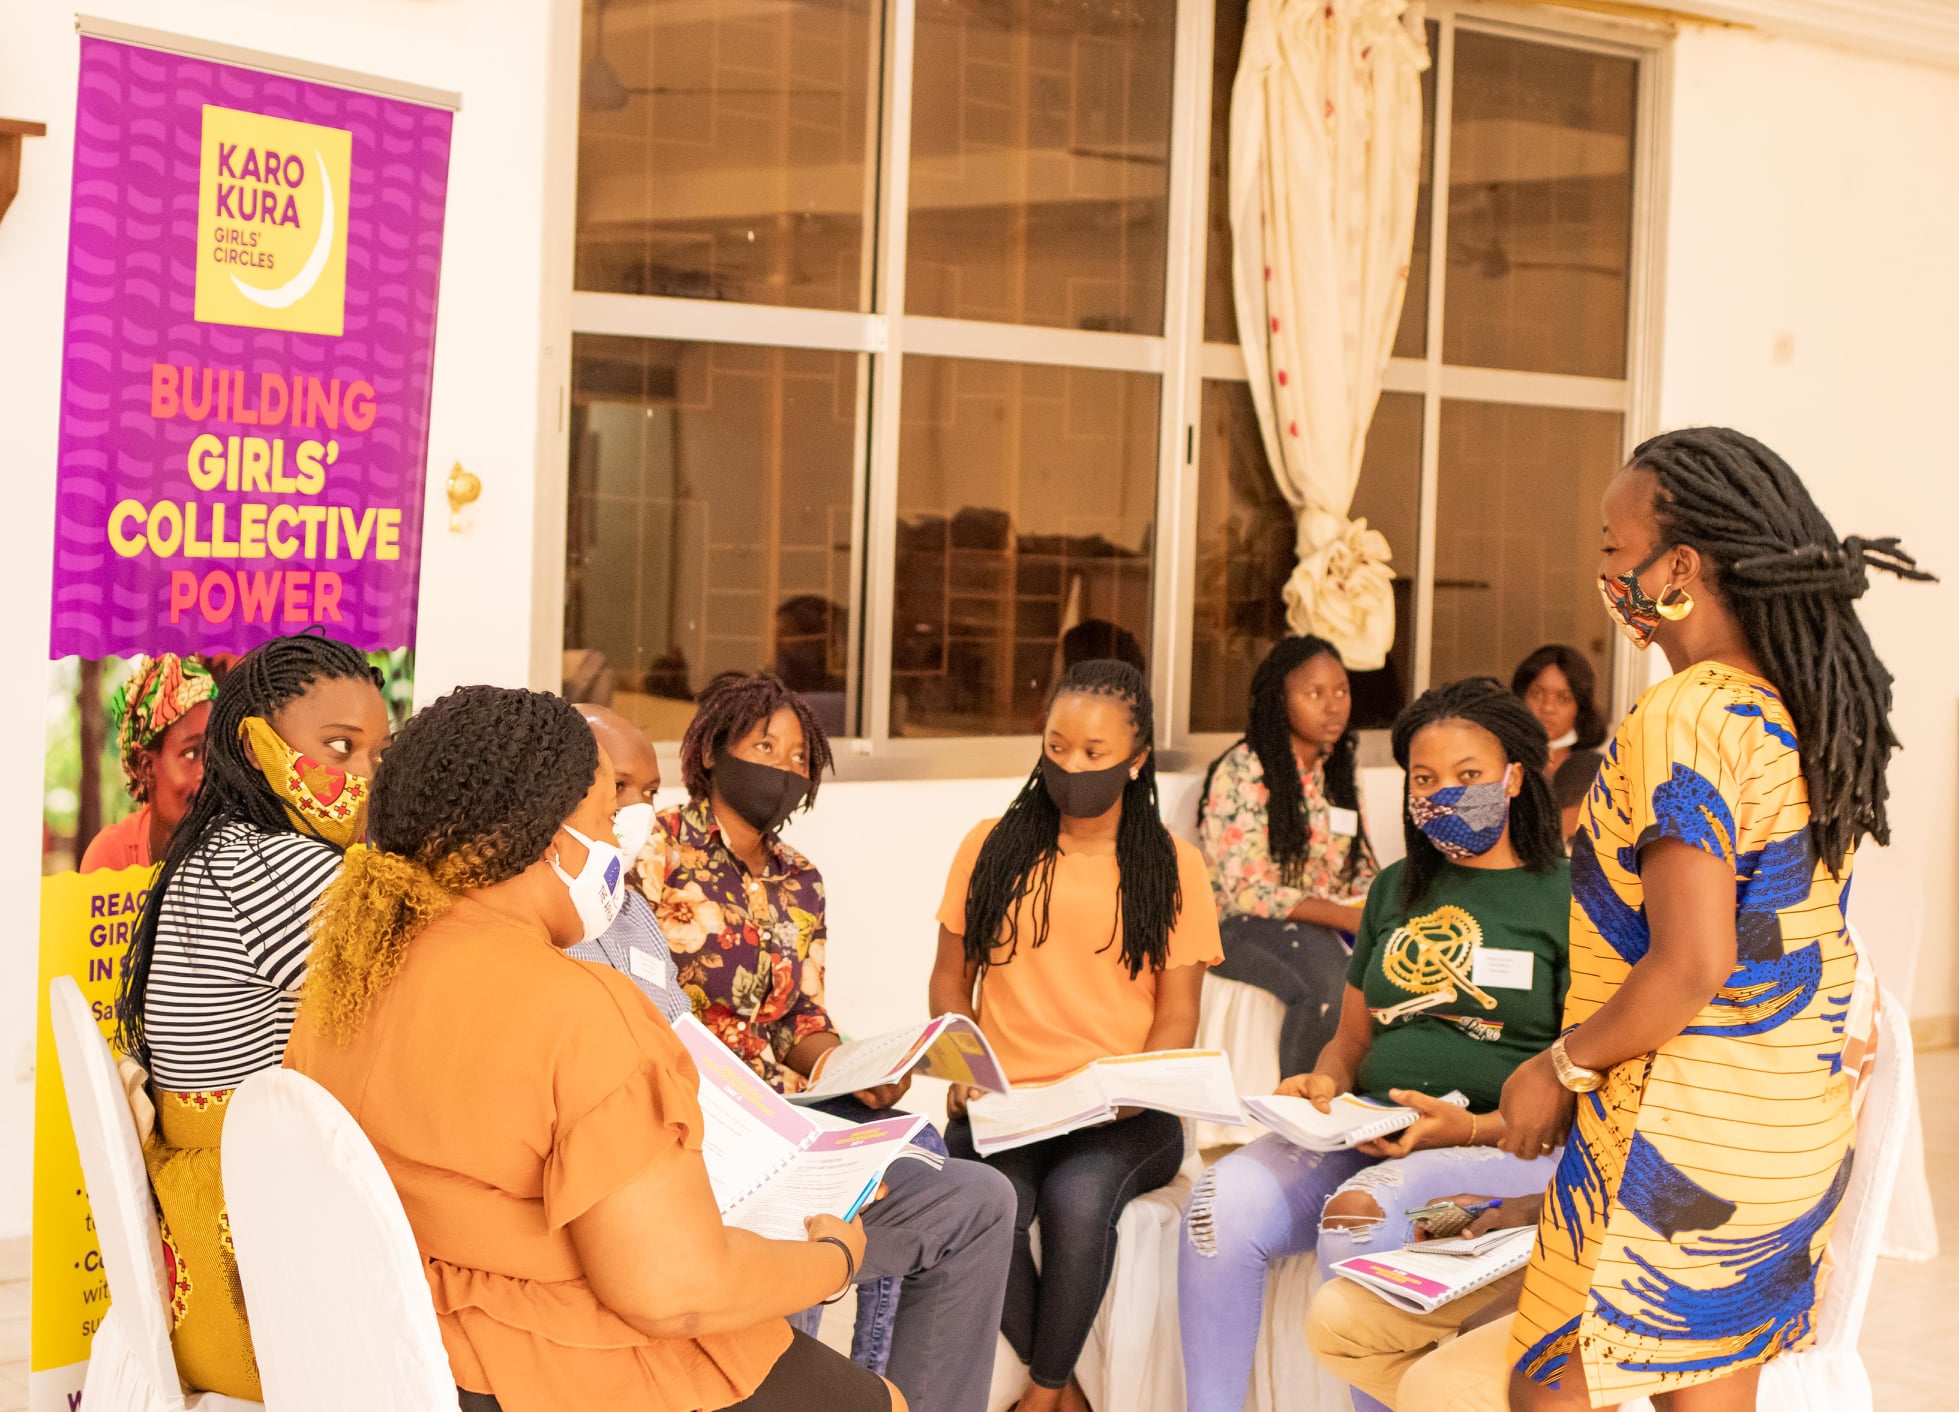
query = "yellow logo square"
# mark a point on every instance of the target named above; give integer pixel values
(272, 223)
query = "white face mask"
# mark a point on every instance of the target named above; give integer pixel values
(600, 886)
(1563, 742)
(634, 826)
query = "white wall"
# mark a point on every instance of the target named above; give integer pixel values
(1812, 300)
(492, 409)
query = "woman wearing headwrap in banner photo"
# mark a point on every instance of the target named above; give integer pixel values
(158, 715)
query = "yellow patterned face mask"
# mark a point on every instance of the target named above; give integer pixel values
(319, 798)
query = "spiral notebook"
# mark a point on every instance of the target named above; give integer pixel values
(1191, 1083)
(1352, 1121)
(772, 1164)
(950, 1048)
(1425, 1276)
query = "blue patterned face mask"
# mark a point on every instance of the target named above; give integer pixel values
(1463, 820)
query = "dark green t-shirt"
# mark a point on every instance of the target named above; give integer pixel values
(1466, 984)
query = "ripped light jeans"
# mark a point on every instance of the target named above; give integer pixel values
(1263, 1203)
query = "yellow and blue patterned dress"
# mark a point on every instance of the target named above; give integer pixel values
(1683, 1233)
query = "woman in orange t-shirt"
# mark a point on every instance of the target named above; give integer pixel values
(1087, 928)
(537, 1115)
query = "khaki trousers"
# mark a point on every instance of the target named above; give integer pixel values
(1454, 1360)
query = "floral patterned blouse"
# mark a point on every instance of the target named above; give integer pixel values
(748, 950)
(1231, 830)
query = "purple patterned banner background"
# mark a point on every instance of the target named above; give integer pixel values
(253, 264)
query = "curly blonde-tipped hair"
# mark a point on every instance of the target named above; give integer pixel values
(469, 795)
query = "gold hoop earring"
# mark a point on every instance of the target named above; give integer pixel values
(1674, 603)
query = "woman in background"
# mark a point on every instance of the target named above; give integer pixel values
(221, 945)
(1280, 825)
(158, 716)
(1086, 927)
(1557, 683)
(537, 1116)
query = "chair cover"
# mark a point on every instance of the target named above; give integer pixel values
(131, 1368)
(339, 1301)
(1244, 1022)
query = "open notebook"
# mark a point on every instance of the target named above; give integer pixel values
(950, 1048)
(1351, 1121)
(772, 1164)
(1191, 1083)
(1430, 1274)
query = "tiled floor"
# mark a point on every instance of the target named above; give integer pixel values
(1908, 1331)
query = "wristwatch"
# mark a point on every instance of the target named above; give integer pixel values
(1573, 1076)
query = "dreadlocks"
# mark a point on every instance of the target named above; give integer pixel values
(1777, 564)
(1536, 826)
(470, 793)
(266, 679)
(1018, 857)
(1269, 735)
(731, 706)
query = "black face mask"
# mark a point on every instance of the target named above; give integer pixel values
(1084, 794)
(761, 794)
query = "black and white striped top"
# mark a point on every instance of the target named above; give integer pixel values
(231, 950)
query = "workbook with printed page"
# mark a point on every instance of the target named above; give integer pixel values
(1191, 1083)
(772, 1164)
(1429, 1274)
(950, 1048)
(1351, 1121)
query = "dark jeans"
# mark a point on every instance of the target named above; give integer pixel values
(1303, 965)
(1077, 1184)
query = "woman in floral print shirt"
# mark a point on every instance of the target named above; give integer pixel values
(1290, 864)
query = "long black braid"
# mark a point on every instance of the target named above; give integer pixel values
(1017, 860)
(266, 679)
(1774, 560)
(1536, 826)
(1269, 734)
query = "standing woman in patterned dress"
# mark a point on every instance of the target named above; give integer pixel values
(1711, 965)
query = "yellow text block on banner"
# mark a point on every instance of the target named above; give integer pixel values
(86, 923)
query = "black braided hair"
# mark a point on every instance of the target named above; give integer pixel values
(1792, 585)
(1017, 860)
(1578, 675)
(469, 794)
(1269, 734)
(1536, 825)
(268, 678)
(731, 706)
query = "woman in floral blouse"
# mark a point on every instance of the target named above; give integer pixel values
(743, 915)
(1281, 829)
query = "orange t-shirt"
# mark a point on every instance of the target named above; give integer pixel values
(1049, 1009)
(509, 1089)
(125, 844)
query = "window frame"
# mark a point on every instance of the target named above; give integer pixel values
(1178, 356)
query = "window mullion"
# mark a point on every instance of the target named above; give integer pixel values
(1438, 275)
(887, 371)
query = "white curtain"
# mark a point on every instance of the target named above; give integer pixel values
(1326, 137)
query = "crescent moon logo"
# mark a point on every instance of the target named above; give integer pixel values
(284, 296)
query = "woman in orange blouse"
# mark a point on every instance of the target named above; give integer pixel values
(1087, 928)
(536, 1114)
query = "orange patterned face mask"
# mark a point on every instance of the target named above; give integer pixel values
(319, 798)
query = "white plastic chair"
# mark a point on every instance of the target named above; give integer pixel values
(130, 1366)
(336, 1289)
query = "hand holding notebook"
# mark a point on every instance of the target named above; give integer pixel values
(950, 1047)
(1191, 1083)
(1350, 1120)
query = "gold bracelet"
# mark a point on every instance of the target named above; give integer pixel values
(1472, 1131)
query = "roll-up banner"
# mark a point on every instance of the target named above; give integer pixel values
(253, 255)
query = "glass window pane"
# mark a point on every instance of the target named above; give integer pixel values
(725, 150)
(709, 524)
(1220, 310)
(1245, 554)
(1040, 162)
(1026, 510)
(1540, 207)
(1517, 538)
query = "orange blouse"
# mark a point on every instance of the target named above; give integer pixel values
(121, 845)
(1049, 1009)
(508, 1090)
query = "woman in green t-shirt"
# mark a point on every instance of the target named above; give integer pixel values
(1458, 976)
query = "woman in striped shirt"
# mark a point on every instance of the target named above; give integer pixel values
(213, 973)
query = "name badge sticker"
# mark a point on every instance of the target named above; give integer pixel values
(1342, 823)
(649, 968)
(1503, 970)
